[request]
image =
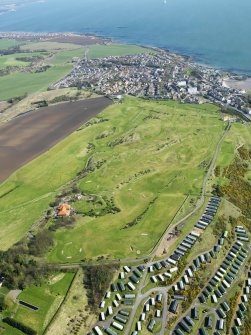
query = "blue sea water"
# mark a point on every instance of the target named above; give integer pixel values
(213, 32)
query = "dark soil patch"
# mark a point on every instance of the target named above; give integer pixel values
(26, 137)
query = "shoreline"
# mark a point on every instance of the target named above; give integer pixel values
(239, 84)
(233, 79)
(99, 38)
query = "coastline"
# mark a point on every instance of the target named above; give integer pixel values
(101, 38)
(238, 84)
(231, 79)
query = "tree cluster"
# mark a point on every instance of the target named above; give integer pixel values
(220, 226)
(40, 243)
(19, 269)
(97, 279)
(10, 51)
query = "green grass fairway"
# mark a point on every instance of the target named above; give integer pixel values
(155, 139)
(94, 51)
(47, 298)
(239, 134)
(156, 156)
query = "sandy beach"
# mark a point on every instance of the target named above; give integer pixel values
(239, 84)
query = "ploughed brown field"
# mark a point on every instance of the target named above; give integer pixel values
(26, 137)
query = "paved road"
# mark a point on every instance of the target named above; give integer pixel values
(141, 297)
(164, 290)
(224, 297)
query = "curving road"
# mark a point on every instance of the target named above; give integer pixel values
(163, 290)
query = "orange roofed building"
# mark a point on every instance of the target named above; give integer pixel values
(64, 210)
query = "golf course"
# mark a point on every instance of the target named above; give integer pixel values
(143, 159)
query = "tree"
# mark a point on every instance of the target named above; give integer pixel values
(41, 243)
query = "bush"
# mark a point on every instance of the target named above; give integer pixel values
(97, 279)
(41, 243)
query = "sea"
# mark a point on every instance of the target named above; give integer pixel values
(213, 32)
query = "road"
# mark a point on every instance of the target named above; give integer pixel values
(163, 290)
(213, 309)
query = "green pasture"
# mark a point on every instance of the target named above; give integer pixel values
(6, 43)
(20, 83)
(49, 46)
(12, 60)
(159, 158)
(99, 51)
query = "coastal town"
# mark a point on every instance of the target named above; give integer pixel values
(159, 74)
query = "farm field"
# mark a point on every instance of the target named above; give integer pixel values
(98, 51)
(157, 162)
(22, 83)
(19, 59)
(51, 97)
(8, 43)
(48, 46)
(47, 298)
(27, 136)
(28, 204)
